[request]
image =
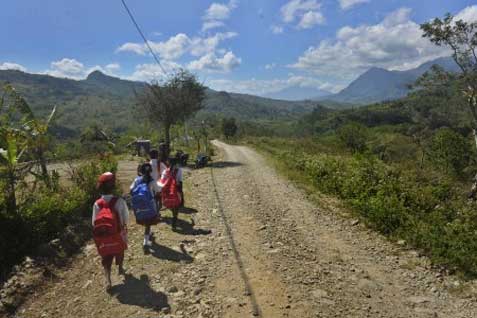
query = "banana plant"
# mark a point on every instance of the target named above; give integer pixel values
(35, 130)
(10, 165)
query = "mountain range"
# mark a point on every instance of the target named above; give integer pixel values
(296, 93)
(110, 101)
(378, 84)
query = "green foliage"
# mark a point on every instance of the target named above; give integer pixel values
(450, 151)
(353, 136)
(173, 101)
(229, 127)
(44, 213)
(419, 206)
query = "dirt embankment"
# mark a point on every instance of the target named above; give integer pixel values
(251, 244)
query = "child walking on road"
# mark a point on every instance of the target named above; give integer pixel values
(110, 219)
(144, 191)
(172, 193)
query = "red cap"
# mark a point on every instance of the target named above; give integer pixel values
(106, 177)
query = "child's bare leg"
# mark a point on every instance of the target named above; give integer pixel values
(107, 262)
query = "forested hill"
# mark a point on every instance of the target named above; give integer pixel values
(110, 101)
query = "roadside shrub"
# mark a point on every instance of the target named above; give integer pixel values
(425, 209)
(353, 136)
(45, 213)
(450, 151)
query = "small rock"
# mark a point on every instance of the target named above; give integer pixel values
(354, 222)
(173, 289)
(419, 299)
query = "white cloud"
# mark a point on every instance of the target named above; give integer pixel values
(216, 14)
(276, 29)
(208, 25)
(265, 87)
(348, 4)
(180, 44)
(306, 11)
(12, 66)
(310, 19)
(171, 49)
(210, 62)
(132, 47)
(73, 69)
(295, 8)
(66, 67)
(153, 72)
(469, 14)
(199, 46)
(113, 67)
(395, 43)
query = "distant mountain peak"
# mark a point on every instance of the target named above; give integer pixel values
(98, 75)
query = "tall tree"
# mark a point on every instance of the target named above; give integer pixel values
(173, 101)
(461, 38)
(229, 127)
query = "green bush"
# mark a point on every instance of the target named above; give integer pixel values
(44, 213)
(426, 211)
(450, 151)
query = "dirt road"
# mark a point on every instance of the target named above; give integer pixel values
(251, 244)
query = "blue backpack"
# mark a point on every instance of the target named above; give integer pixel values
(143, 202)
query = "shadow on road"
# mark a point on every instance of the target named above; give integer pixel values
(164, 252)
(224, 164)
(186, 228)
(187, 210)
(138, 292)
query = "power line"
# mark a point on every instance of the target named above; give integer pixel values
(143, 36)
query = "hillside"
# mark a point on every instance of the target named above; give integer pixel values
(110, 101)
(296, 93)
(378, 84)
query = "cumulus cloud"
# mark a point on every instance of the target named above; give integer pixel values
(153, 72)
(12, 66)
(265, 87)
(180, 44)
(469, 14)
(395, 43)
(210, 62)
(305, 11)
(66, 67)
(348, 4)
(310, 19)
(73, 69)
(216, 14)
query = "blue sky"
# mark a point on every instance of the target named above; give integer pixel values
(250, 46)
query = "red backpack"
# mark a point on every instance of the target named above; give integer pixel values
(171, 198)
(107, 229)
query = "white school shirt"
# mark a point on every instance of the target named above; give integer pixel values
(156, 173)
(120, 207)
(153, 186)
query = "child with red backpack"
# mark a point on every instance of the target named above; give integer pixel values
(171, 184)
(144, 190)
(110, 219)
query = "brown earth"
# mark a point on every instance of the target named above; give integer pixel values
(270, 253)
